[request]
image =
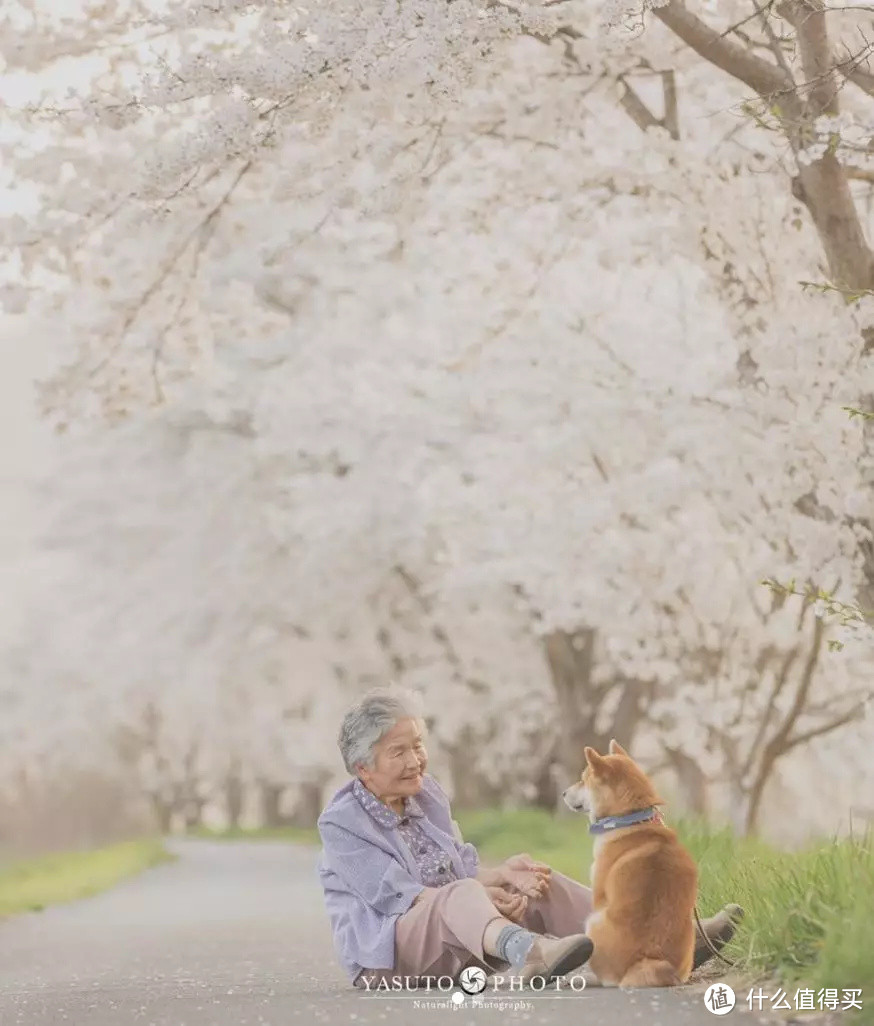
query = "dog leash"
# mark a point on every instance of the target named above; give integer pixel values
(661, 819)
(707, 940)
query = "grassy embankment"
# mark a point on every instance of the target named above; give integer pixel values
(810, 913)
(32, 884)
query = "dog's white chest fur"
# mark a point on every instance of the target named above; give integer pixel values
(596, 851)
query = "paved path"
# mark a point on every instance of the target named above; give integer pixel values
(235, 934)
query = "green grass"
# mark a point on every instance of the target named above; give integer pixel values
(810, 913)
(32, 884)
(563, 842)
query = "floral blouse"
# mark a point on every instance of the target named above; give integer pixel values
(432, 861)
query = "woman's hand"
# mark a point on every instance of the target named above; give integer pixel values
(522, 873)
(511, 905)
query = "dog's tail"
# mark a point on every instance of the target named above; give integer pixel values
(651, 972)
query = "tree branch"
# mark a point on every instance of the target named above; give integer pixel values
(671, 120)
(764, 723)
(810, 663)
(200, 234)
(851, 71)
(442, 638)
(861, 174)
(774, 42)
(777, 746)
(635, 108)
(808, 17)
(760, 75)
(855, 713)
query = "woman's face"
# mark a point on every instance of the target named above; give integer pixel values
(400, 760)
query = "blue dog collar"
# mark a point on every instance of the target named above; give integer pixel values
(607, 823)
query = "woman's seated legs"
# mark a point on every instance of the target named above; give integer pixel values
(443, 933)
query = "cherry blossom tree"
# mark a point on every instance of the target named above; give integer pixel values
(377, 294)
(813, 49)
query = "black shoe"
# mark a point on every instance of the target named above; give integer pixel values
(719, 929)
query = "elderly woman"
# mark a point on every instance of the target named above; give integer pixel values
(406, 896)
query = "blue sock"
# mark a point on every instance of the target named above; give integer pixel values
(514, 943)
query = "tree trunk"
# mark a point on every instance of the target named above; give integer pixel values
(163, 812)
(581, 703)
(692, 782)
(309, 804)
(193, 812)
(234, 795)
(571, 660)
(469, 788)
(546, 786)
(739, 809)
(753, 807)
(825, 191)
(271, 803)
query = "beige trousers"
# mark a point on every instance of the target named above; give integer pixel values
(442, 933)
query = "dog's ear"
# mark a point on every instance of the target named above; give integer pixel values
(617, 749)
(594, 760)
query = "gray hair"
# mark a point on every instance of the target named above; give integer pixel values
(372, 716)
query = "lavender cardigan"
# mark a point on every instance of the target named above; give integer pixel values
(369, 874)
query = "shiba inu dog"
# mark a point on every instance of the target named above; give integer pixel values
(644, 882)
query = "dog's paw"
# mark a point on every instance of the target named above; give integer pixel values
(585, 973)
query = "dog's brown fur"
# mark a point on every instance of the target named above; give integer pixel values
(644, 882)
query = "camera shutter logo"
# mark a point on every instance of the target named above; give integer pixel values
(473, 980)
